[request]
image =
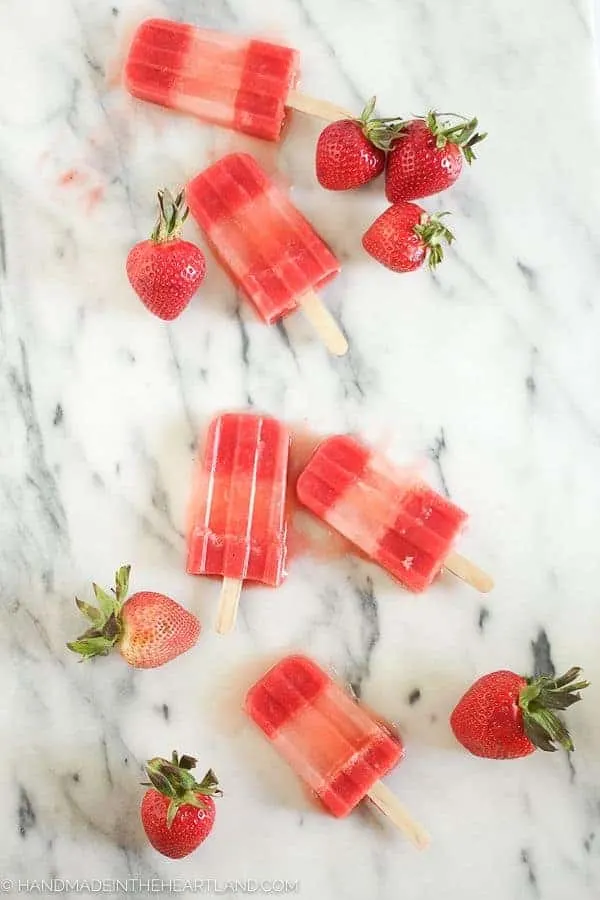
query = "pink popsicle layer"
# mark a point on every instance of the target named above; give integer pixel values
(224, 79)
(238, 527)
(332, 744)
(272, 253)
(389, 513)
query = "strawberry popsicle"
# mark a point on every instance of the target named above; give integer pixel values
(225, 79)
(332, 744)
(238, 528)
(388, 512)
(272, 253)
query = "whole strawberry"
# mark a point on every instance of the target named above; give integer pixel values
(351, 152)
(506, 716)
(178, 813)
(148, 629)
(428, 156)
(404, 236)
(165, 272)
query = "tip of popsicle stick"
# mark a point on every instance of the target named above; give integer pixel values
(228, 605)
(485, 583)
(339, 347)
(387, 803)
(470, 573)
(421, 839)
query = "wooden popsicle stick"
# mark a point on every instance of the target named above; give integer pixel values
(390, 806)
(322, 109)
(228, 605)
(469, 572)
(324, 324)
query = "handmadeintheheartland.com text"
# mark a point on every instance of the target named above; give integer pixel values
(139, 885)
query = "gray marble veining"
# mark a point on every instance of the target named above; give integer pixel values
(488, 371)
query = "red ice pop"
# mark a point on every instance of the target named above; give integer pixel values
(388, 512)
(238, 528)
(225, 79)
(272, 253)
(332, 744)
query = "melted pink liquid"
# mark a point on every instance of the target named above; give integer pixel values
(75, 177)
(308, 536)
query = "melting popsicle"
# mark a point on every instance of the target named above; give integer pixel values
(225, 79)
(238, 528)
(332, 744)
(388, 512)
(272, 253)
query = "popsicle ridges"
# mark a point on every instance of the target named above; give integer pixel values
(270, 250)
(390, 514)
(284, 691)
(228, 80)
(238, 529)
(334, 745)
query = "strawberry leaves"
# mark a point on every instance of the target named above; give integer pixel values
(463, 133)
(173, 778)
(122, 583)
(92, 643)
(90, 612)
(380, 132)
(105, 619)
(541, 699)
(432, 232)
(172, 213)
(105, 601)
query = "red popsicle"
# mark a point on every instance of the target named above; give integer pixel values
(272, 253)
(238, 530)
(388, 512)
(225, 79)
(332, 744)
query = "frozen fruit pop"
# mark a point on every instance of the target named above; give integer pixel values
(332, 744)
(272, 253)
(387, 512)
(238, 528)
(225, 79)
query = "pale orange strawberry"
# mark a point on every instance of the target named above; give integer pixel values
(148, 629)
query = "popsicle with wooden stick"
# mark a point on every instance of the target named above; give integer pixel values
(270, 250)
(333, 745)
(388, 512)
(229, 80)
(238, 529)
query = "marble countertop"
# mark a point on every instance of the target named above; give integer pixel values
(489, 371)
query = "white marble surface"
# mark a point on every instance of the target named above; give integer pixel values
(490, 370)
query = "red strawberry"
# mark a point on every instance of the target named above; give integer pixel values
(351, 152)
(149, 629)
(165, 271)
(404, 235)
(428, 157)
(506, 716)
(178, 813)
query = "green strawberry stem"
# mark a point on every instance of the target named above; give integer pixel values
(538, 701)
(432, 232)
(172, 213)
(106, 619)
(381, 132)
(463, 133)
(173, 778)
